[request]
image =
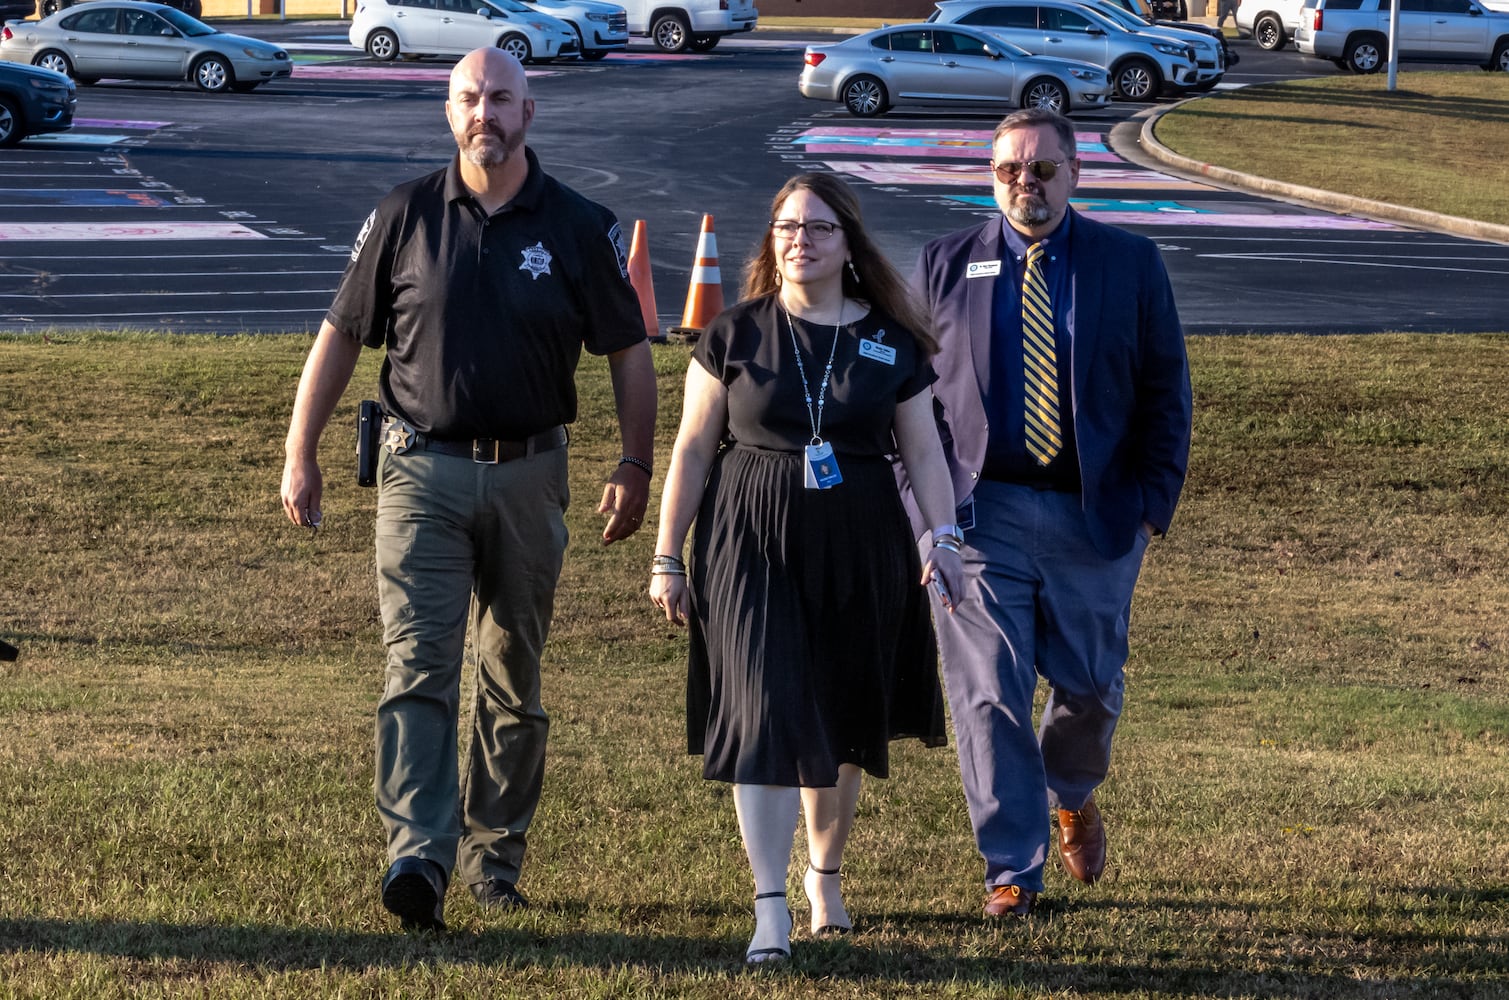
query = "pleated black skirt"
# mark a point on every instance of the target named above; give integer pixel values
(811, 644)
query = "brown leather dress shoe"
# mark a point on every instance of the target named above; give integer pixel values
(1082, 842)
(1009, 901)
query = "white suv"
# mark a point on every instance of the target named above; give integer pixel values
(1354, 33)
(677, 25)
(600, 27)
(1271, 23)
(1142, 65)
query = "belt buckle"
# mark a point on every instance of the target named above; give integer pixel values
(480, 451)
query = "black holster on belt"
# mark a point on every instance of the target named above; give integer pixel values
(368, 434)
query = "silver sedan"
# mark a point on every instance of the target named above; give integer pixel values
(952, 65)
(126, 40)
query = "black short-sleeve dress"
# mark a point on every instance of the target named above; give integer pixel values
(811, 644)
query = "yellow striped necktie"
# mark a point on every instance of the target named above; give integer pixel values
(1043, 437)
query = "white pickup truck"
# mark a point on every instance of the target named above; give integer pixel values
(678, 25)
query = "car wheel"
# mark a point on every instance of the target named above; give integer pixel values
(1365, 54)
(1268, 32)
(671, 33)
(864, 96)
(382, 45)
(705, 43)
(47, 8)
(54, 60)
(1047, 94)
(515, 45)
(1500, 61)
(12, 128)
(1137, 80)
(214, 75)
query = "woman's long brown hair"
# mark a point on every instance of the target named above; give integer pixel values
(879, 282)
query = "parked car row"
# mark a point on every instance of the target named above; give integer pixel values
(543, 30)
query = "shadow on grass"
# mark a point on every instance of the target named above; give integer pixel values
(1332, 962)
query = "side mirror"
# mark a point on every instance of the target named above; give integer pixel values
(486, 12)
(991, 52)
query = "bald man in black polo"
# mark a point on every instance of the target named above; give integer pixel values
(484, 281)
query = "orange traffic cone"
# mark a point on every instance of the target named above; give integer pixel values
(704, 298)
(644, 285)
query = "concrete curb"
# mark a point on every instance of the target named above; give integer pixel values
(1140, 144)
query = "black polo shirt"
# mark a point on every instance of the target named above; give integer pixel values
(484, 317)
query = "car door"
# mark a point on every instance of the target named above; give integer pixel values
(1459, 30)
(1016, 23)
(968, 72)
(459, 28)
(417, 23)
(912, 68)
(150, 46)
(1070, 34)
(93, 42)
(1414, 26)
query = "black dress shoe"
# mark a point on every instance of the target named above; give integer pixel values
(498, 894)
(414, 892)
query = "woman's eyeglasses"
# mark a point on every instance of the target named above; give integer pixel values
(1009, 170)
(817, 230)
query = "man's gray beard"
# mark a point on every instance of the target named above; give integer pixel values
(492, 154)
(1029, 211)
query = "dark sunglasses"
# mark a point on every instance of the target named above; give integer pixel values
(1009, 170)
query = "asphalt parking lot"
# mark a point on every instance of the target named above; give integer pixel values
(167, 208)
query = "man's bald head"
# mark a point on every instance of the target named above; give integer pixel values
(489, 109)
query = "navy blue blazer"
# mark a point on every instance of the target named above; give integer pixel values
(1132, 399)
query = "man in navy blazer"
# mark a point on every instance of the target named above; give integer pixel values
(1058, 499)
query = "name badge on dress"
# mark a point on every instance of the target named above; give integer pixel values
(983, 269)
(822, 467)
(876, 351)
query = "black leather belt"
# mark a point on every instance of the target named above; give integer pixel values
(492, 451)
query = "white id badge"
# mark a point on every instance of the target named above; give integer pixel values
(876, 351)
(822, 467)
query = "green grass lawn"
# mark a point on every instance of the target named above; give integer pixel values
(1308, 799)
(1434, 143)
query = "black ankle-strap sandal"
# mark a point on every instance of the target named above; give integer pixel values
(765, 956)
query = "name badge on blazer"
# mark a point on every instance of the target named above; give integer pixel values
(983, 269)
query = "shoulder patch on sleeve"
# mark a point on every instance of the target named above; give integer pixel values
(361, 237)
(616, 237)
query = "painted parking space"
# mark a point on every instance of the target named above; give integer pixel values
(949, 166)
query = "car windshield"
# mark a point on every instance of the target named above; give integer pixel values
(190, 27)
(1121, 14)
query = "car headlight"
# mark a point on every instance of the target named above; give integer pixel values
(542, 26)
(259, 53)
(50, 86)
(1171, 49)
(1086, 74)
(604, 18)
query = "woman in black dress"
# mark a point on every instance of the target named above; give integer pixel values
(811, 646)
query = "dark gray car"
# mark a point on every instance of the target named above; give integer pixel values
(33, 101)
